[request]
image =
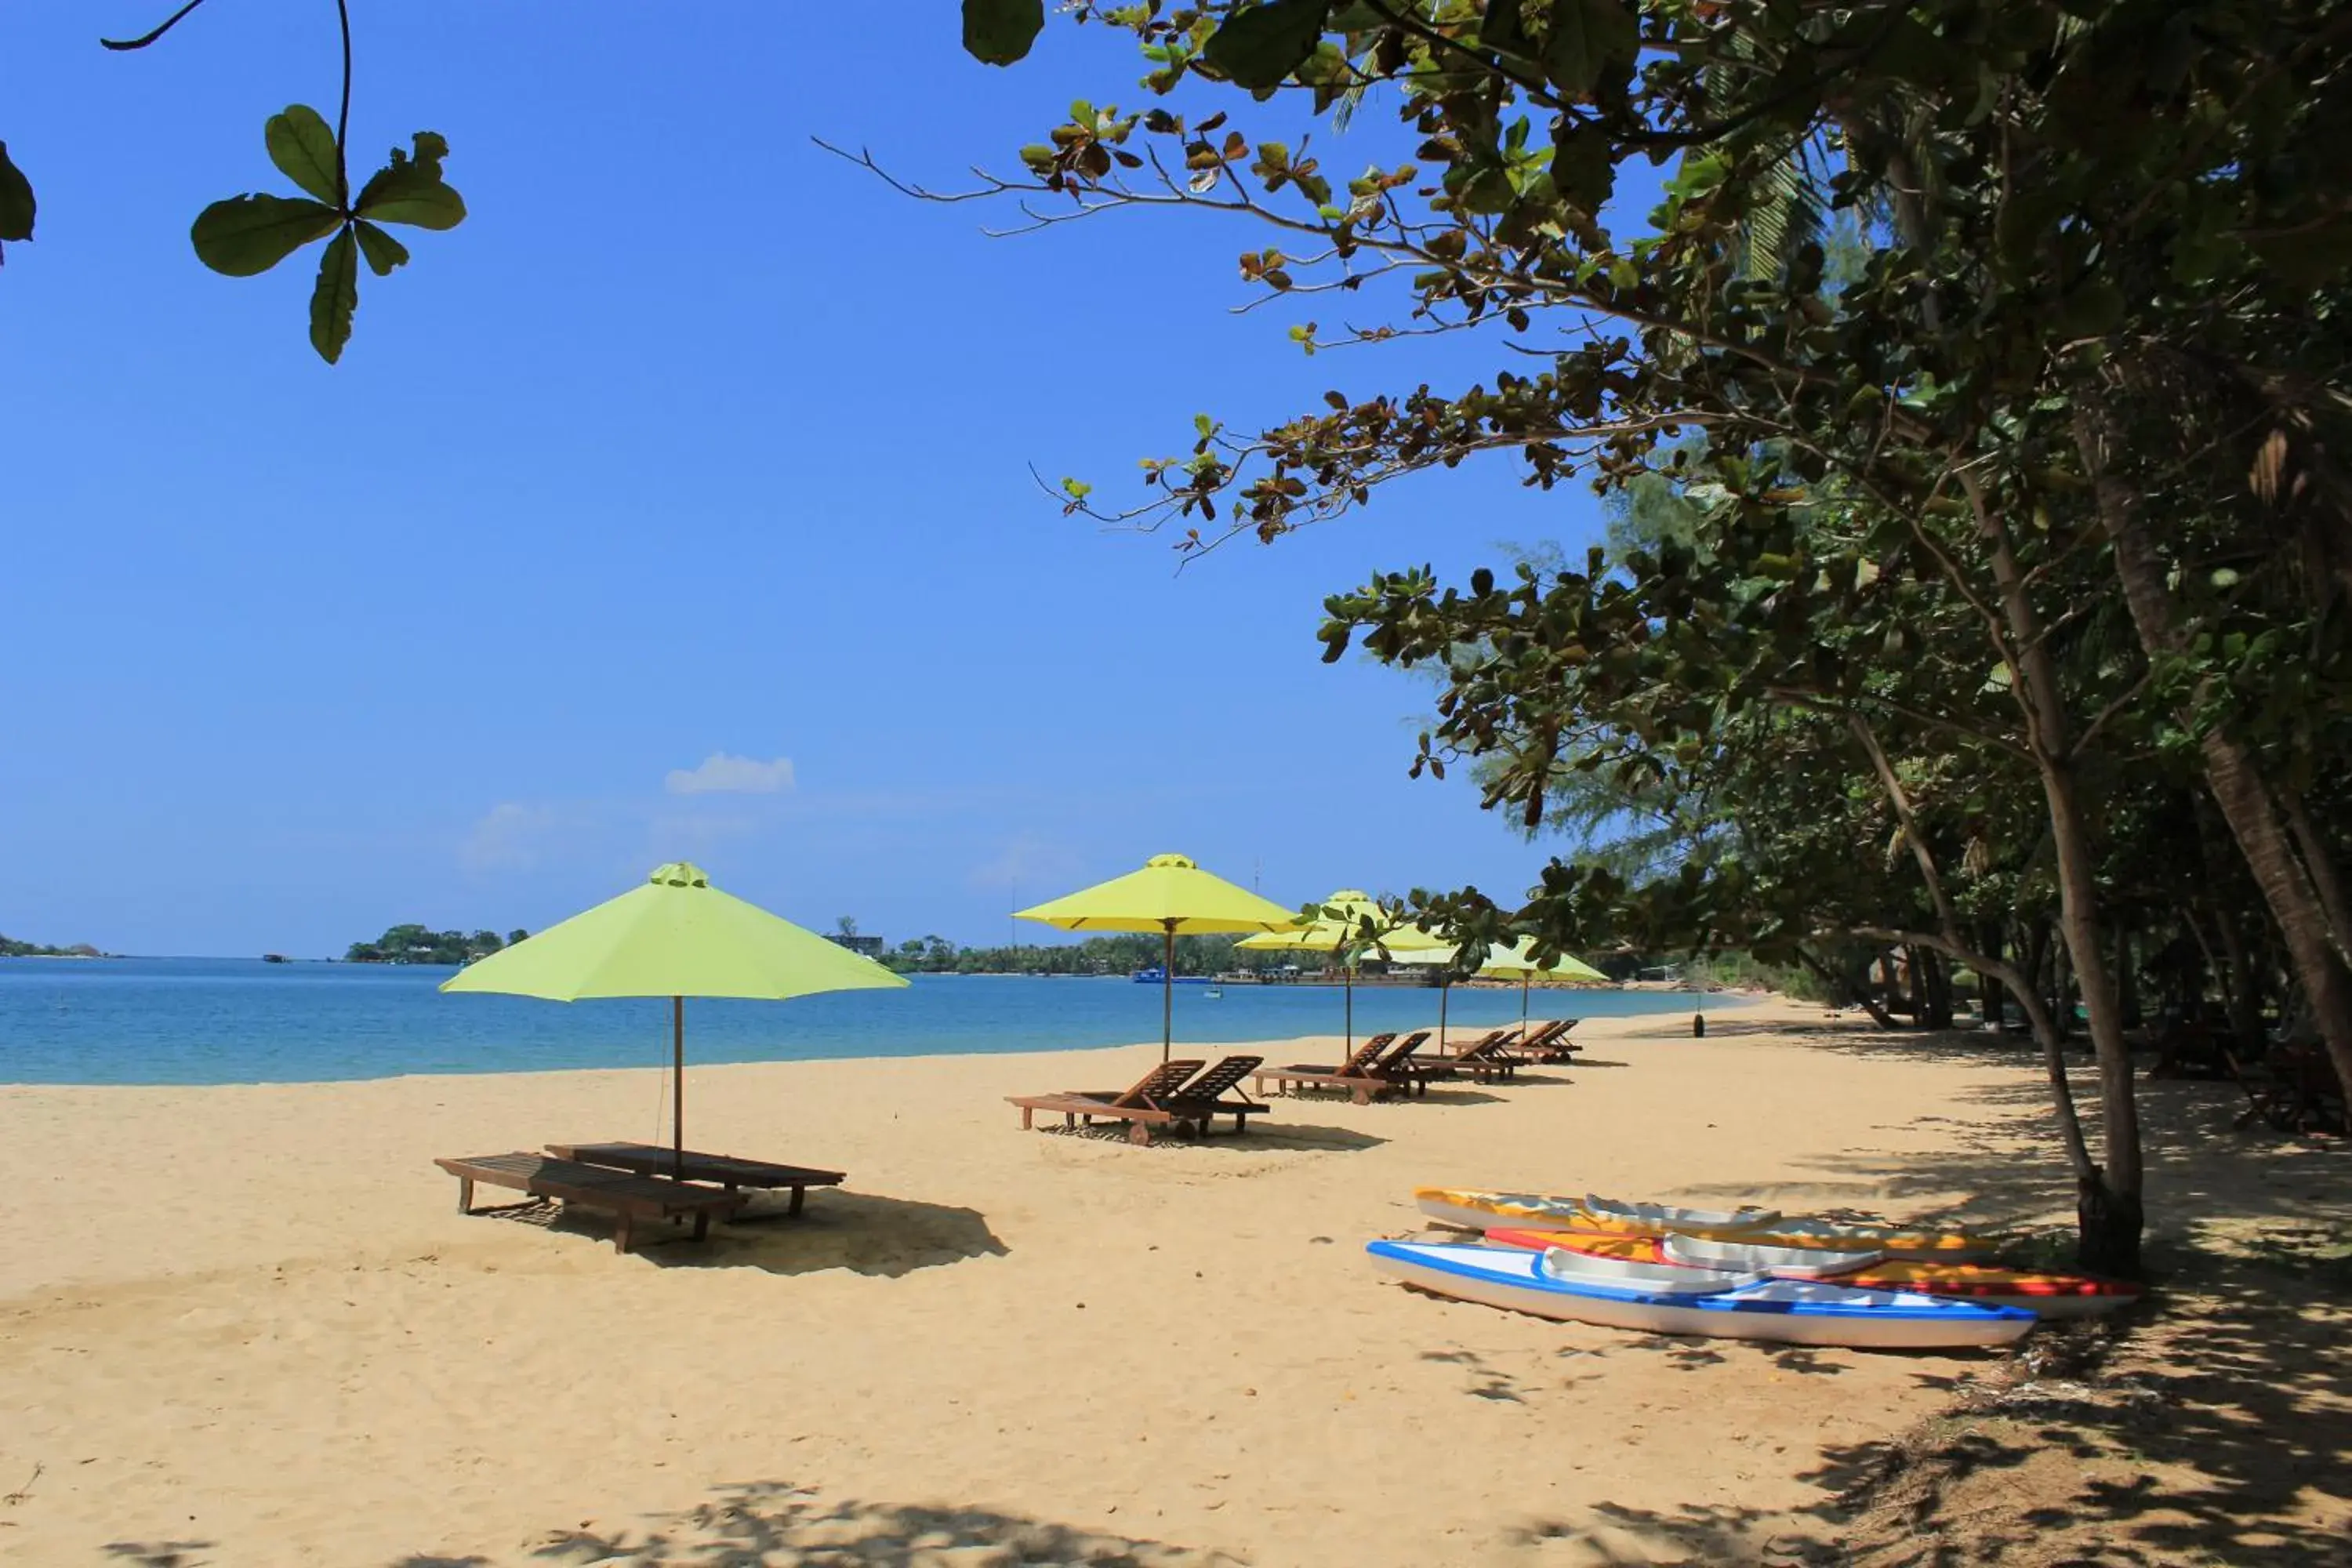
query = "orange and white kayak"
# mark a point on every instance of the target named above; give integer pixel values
(2046, 1293)
(1468, 1208)
(1471, 1209)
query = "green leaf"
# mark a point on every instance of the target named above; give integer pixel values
(1589, 37)
(413, 192)
(248, 235)
(304, 151)
(383, 252)
(336, 298)
(999, 32)
(16, 200)
(1581, 168)
(1259, 47)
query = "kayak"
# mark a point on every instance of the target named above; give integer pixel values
(1467, 1208)
(1746, 1256)
(1591, 1242)
(2045, 1294)
(1665, 1216)
(1668, 1299)
(1895, 1241)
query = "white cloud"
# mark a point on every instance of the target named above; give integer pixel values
(723, 774)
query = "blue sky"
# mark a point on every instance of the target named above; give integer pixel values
(692, 443)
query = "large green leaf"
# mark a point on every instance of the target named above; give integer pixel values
(16, 200)
(999, 32)
(410, 194)
(383, 252)
(304, 150)
(335, 298)
(1587, 38)
(412, 191)
(1259, 47)
(251, 234)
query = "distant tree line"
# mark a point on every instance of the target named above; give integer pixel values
(11, 948)
(420, 944)
(1116, 954)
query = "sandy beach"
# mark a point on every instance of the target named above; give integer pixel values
(245, 1325)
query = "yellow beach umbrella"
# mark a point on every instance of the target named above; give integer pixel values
(1173, 897)
(1340, 929)
(1517, 962)
(674, 935)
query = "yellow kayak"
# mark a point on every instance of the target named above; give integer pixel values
(1470, 1209)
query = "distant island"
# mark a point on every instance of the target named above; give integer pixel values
(422, 944)
(11, 948)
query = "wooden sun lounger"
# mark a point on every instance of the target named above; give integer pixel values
(629, 1198)
(711, 1170)
(1382, 1066)
(1143, 1106)
(1204, 1097)
(1549, 1044)
(1487, 1060)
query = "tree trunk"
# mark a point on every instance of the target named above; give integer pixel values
(1915, 980)
(2320, 862)
(1994, 1012)
(2126, 981)
(2230, 773)
(1843, 991)
(2110, 1212)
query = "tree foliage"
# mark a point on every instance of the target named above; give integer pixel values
(422, 944)
(2011, 541)
(245, 236)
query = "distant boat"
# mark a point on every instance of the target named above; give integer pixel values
(1214, 994)
(274, 958)
(1153, 976)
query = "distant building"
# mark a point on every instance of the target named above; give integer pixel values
(869, 946)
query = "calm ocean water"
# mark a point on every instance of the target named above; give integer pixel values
(208, 1020)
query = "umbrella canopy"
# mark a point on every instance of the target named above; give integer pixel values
(1517, 962)
(674, 935)
(1340, 929)
(1173, 897)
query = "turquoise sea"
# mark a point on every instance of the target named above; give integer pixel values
(214, 1020)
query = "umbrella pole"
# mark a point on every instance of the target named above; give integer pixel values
(1351, 983)
(1168, 995)
(677, 1087)
(1445, 991)
(1525, 981)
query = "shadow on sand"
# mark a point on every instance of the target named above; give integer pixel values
(863, 1232)
(769, 1521)
(1268, 1135)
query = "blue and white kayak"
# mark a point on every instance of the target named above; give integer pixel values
(1669, 1298)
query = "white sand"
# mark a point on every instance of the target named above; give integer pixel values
(245, 1325)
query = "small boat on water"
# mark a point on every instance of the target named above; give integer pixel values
(1669, 1298)
(2046, 1293)
(1155, 976)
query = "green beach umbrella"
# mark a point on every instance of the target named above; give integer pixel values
(1517, 962)
(675, 936)
(1173, 897)
(1340, 930)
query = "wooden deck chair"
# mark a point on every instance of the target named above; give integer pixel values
(1143, 1106)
